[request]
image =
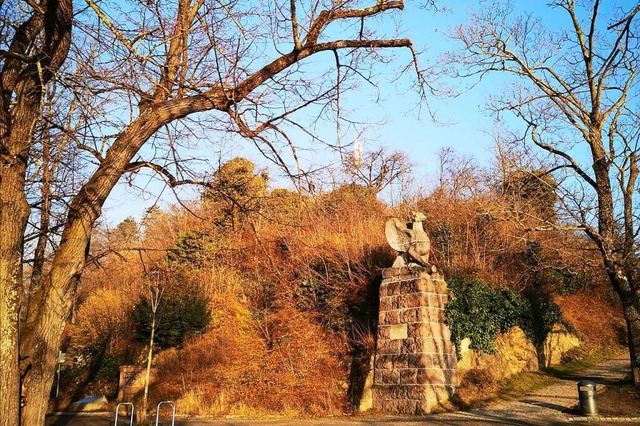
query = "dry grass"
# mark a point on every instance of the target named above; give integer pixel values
(198, 402)
(621, 399)
(293, 299)
(247, 367)
(480, 389)
(597, 318)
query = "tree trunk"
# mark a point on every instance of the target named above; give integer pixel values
(43, 333)
(56, 295)
(43, 354)
(14, 212)
(629, 294)
(632, 316)
(46, 34)
(145, 399)
(633, 329)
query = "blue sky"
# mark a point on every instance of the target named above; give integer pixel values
(463, 123)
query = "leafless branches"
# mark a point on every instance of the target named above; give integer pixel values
(576, 91)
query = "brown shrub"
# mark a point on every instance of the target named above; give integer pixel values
(244, 366)
(593, 316)
(293, 289)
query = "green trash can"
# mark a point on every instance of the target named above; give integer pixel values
(587, 398)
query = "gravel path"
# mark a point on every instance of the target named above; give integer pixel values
(550, 404)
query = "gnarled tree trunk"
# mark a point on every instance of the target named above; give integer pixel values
(39, 47)
(14, 212)
(629, 292)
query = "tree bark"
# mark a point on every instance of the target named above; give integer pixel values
(629, 293)
(14, 212)
(632, 315)
(46, 35)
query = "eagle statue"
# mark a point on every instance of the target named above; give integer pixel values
(410, 240)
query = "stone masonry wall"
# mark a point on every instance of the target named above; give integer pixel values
(415, 363)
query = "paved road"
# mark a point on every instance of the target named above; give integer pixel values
(547, 406)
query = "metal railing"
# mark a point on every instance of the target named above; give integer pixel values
(173, 412)
(132, 412)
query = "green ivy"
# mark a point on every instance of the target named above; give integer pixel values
(544, 314)
(479, 312)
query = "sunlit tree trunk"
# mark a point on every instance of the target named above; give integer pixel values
(36, 53)
(155, 294)
(14, 212)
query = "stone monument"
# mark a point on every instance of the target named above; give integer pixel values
(410, 240)
(131, 383)
(415, 362)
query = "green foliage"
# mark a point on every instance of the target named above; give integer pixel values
(236, 191)
(480, 312)
(340, 202)
(195, 249)
(324, 298)
(551, 274)
(126, 233)
(109, 368)
(178, 317)
(544, 314)
(285, 205)
(312, 294)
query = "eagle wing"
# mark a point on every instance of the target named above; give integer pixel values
(398, 235)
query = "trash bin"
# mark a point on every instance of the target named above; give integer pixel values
(587, 398)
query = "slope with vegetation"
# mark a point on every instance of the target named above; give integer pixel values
(269, 302)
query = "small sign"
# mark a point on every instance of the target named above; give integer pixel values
(398, 331)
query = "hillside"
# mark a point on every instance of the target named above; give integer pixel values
(269, 297)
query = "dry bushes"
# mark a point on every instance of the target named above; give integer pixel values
(596, 316)
(282, 363)
(293, 287)
(103, 314)
(289, 304)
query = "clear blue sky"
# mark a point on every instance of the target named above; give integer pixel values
(464, 124)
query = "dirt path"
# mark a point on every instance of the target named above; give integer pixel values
(547, 406)
(550, 404)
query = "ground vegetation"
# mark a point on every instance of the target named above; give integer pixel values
(292, 292)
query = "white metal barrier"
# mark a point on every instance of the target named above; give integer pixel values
(173, 412)
(132, 412)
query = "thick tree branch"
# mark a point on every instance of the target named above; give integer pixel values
(164, 172)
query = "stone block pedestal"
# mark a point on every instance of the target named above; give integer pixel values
(415, 363)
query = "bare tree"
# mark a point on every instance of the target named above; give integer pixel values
(35, 42)
(576, 91)
(459, 175)
(154, 297)
(376, 169)
(139, 72)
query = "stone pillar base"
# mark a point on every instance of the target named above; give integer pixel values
(415, 363)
